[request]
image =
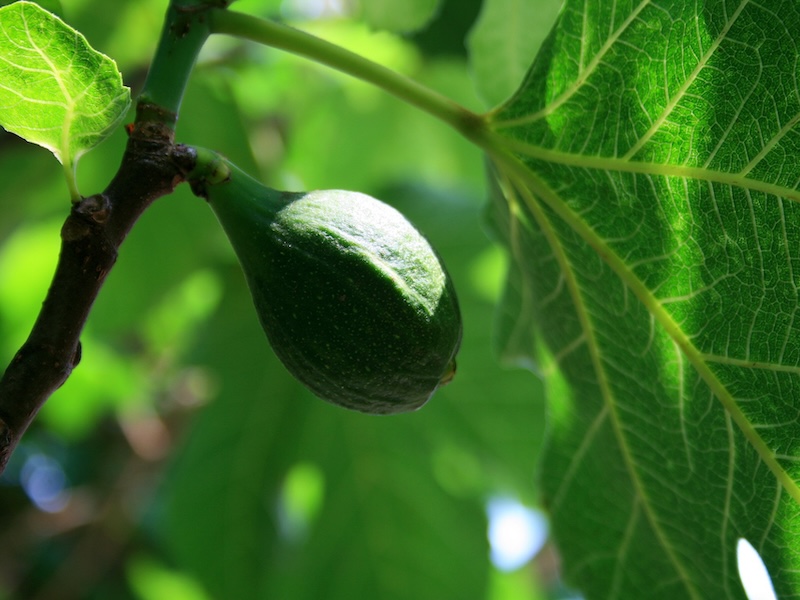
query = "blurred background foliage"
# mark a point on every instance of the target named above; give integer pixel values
(180, 461)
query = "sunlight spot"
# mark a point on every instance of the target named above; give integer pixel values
(45, 482)
(313, 9)
(301, 500)
(516, 533)
(753, 573)
(154, 581)
(488, 273)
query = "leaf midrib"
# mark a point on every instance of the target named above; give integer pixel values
(495, 143)
(69, 106)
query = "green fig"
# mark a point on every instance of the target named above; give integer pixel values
(353, 299)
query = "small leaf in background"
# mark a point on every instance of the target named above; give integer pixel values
(504, 41)
(398, 15)
(56, 90)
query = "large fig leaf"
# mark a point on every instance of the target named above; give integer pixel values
(650, 174)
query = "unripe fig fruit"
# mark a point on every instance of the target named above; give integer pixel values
(353, 299)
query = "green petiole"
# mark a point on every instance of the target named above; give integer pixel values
(303, 44)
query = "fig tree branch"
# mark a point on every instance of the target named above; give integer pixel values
(151, 167)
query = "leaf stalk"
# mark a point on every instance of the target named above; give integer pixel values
(277, 35)
(186, 29)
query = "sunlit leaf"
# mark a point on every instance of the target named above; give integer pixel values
(651, 177)
(55, 90)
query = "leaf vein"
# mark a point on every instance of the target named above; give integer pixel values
(701, 64)
(583, 75)
(610, 408)
(493, 145)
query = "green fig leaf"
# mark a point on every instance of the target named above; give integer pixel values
(504, 41)
(651, 200)
(56, 91)
(398, 15)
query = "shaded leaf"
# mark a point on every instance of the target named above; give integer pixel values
(54, 6)
(504, 41)
(650, 171)
(398, 15)
(445, 35)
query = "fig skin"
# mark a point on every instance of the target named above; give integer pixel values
(354, 300)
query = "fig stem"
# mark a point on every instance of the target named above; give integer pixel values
(276, 35)
(72, 182)
(186, 29)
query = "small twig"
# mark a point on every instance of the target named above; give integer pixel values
(151, 167)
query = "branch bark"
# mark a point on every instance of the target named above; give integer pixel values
(152, 166)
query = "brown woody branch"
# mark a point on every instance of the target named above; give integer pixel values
(151, 167)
